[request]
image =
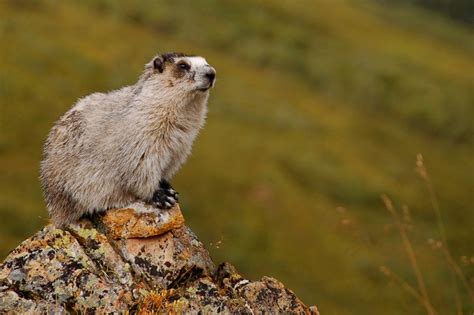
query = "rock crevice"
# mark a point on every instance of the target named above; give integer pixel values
(131, 260)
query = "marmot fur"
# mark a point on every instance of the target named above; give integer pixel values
(112, 149)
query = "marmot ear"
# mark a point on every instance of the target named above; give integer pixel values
(158, 64)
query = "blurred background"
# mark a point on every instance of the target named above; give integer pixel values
(320, 108)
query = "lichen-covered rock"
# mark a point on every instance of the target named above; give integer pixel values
(140, 221)
(201, 295)
(54, 267)
(131, 260)
(12, 302)
(165, 260)
(265, 296)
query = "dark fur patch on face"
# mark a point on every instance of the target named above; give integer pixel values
(169, 61)
(169, 57)
(161, 61)
(164, 61)
(180, 69)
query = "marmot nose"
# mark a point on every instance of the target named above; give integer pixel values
(211, 75)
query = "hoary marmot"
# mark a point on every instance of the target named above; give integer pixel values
(112, 149)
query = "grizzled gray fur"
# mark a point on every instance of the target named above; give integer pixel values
(112, 149)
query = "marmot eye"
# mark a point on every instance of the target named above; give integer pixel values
(184, 66)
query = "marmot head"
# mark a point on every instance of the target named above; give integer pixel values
(180, 71)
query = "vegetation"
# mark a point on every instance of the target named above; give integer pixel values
(459, 10)
(320, 108)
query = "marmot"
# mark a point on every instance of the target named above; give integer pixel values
(112, 149)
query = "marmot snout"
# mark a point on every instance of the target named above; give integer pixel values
(112, 149)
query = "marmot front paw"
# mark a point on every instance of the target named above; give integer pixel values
(165, 197)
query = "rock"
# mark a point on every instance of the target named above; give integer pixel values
(138, 259)
(165, 260)
(134, 223)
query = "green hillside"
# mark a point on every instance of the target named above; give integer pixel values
(319, 108)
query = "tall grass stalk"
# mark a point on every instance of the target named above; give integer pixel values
(425, 299)
(454, 267)
(405, 285)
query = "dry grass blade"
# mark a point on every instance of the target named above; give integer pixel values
(405, 285)
(411, 256)
(455, 269)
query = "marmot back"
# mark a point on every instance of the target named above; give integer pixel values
(112, 149)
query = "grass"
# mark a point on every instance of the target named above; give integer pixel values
(423, 296)
(403, 227)
(325, 106)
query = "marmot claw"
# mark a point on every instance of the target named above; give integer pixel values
(165, 198)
